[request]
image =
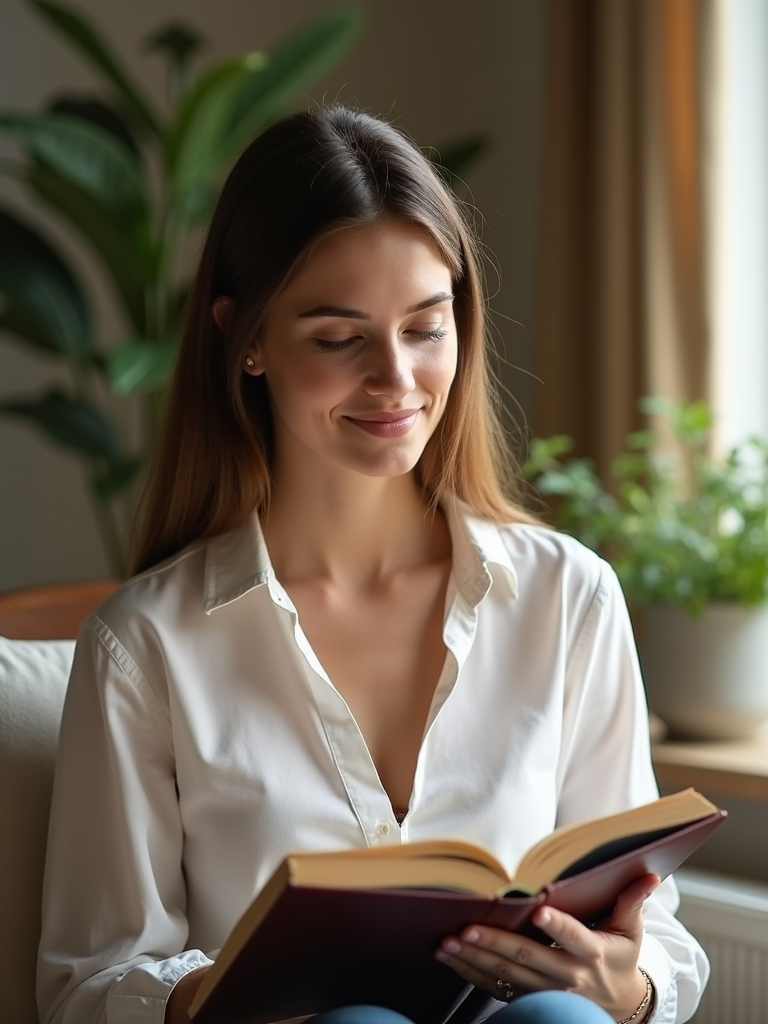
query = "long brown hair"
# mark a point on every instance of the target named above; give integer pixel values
(303, 177)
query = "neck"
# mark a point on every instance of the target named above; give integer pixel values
(355, 532)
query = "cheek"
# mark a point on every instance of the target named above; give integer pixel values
(439, 367)
(307, 389)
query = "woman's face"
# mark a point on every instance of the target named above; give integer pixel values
(359, 352)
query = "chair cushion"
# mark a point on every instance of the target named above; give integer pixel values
(33, 681)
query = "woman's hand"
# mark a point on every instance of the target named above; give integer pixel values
(599, 963)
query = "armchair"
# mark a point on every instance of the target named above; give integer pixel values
(37, 627)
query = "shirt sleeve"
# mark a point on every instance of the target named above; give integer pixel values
(606, 767)
(114, 923)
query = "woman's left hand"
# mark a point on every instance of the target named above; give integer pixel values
(599, 963)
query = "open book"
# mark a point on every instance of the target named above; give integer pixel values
(362, 926)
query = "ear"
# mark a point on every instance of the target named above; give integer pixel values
(222, 310)
(253, 363)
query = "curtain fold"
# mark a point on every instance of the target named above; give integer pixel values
(622, 305)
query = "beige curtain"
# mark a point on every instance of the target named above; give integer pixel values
(622, 303)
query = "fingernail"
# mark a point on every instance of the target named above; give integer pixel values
(452, 946)
(545, 917)
(442, 955)
(472, 935)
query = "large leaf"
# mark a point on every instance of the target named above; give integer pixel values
(39, 284)
(94, 110)
(196, 204)
(92, 45)
(295, 65)
(140, 365)
(86, 155)
(194, 143)
(127, 253)
(71, 423)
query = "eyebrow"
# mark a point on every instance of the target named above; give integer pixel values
(358, 314)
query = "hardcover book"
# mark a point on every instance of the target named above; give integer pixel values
(363, 925)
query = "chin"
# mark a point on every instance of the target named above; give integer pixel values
(388, 464)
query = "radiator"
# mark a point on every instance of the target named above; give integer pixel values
(730, 920)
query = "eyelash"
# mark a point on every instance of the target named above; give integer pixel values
(436, 335)
(337, 346)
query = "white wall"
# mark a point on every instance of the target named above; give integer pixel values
(439, 68)
(738, 248)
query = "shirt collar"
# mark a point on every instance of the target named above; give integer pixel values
(478, 547)
(238, 561)
(235, 562)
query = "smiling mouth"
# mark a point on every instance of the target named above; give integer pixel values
(385, 424)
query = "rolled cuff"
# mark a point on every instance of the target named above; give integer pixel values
(141, 995)
(655, 961)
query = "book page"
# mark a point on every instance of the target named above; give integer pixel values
(554, 854)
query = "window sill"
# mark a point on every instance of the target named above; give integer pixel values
(737, 768)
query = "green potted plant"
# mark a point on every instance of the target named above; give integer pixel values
(137, 186)
(687, 534)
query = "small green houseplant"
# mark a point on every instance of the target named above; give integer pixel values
(679, 526)
(687, 534)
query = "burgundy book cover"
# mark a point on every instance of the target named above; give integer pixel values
(321, 948)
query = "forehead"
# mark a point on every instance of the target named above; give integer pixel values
(373, 260)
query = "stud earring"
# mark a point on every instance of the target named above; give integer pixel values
(249, 362)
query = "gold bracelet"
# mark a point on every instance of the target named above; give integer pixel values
(646, 998)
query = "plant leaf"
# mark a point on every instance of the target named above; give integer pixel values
(179, 45)
(18, 322)
(194, 143)
(453, 160)
(140, 365)
(37, 282)
(95, 49)
(86, 155)
(296, 63)
(73, 424)
(95, 111)
(117, 476)
(127, 253)
(196, 204)
(178, 41)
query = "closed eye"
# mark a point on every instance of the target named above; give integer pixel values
(435, 335)
(326, 345)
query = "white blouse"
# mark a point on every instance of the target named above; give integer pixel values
(202, 740)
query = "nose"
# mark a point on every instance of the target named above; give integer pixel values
(390, 369)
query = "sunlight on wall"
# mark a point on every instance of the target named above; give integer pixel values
(739, 250)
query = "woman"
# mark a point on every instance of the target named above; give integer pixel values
(343, 632)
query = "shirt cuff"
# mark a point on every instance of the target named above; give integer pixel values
(141, 995)
(656, 963)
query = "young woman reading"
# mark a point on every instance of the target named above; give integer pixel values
(343, 630)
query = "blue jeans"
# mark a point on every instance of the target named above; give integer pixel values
(535, 1008)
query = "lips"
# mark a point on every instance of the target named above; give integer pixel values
(385, 424)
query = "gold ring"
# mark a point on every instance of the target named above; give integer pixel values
(505, 990)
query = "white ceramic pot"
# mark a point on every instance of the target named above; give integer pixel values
(707, 678)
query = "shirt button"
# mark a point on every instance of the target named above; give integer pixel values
(383, 828)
